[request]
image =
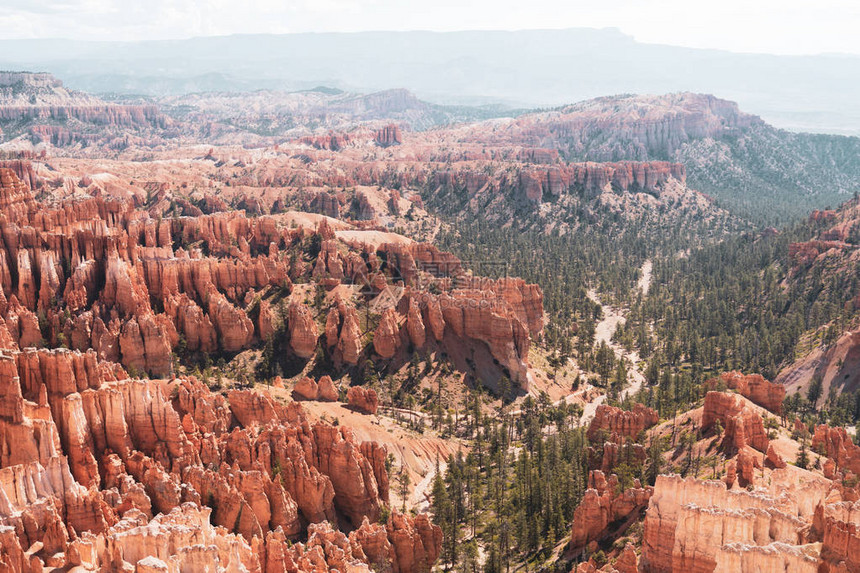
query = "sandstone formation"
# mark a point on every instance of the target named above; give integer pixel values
(639, 125)
(303, 331)
(349, 344)
(415, 325)
(694, 525)
(502, 315)
(388, 136)
(615, 451)
(363, 399)
(41, 101)
(837, 446)
(100, 470)
(603, 505)
(615, 421)
(742, 425)
(836, 525)
(331, 141)
(593, 178)
(628, 561)
(836, 365)
(328, 392)
(755, 388)
(136, 289)
(198, 256)
(804, 254)
(773, 459)
(24, 171)
(306, 389)
(154, 266)
(386, 338)
(114, 267)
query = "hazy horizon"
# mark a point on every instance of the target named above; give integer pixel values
(614, 29)
(518, 69)
(764, 27)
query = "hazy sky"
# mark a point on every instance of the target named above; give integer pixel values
(772, 26)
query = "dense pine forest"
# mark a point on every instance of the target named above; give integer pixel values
(734, 302)
(741, 304)
(771, 176)
(515, 492)
(602, 249)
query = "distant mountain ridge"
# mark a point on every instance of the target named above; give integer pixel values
(755, 170)
(631, 127)
(760, 173)
(274, 112)
(39, 89)
(39, 107)
(529, 68)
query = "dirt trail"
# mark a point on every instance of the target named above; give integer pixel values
(420, 498)
(603, 331)
(589, 410)
(645, 280)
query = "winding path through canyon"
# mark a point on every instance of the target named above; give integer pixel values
(603, 331)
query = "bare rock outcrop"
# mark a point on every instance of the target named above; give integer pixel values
(306, 389)
(603, 505)
(103, 471)
(836, 365)
(694, 525)
(754, 387)
(363, 399)
(388, 136)
(838, 525)
(332, 327)
(386, 338)
(592, 178)
(349, 344)
(415, 325)
(180, 540)
(481, 315)
(628, 561)
(773, 459)
(303, 331)
(742, 424)
(328, 391)
(628, 424)
(836, 444)
(106, 278)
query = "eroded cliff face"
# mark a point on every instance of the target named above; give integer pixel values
(754, 387)
(37, 105)
(605, 510)
(105, 471)
(743, 425)
(615, 436)
(95, 273)
(837, 365)
(694, 525)
(632, 127)
(827, 257)
(611, 421)
(837, 445)
(540, 183)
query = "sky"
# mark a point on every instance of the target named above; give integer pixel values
(765, 26)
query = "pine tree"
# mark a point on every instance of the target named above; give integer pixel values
(802, 460)
(403, 482)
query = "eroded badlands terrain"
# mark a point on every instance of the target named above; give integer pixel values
(231, 341)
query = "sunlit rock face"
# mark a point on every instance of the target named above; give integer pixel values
(105, 471)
